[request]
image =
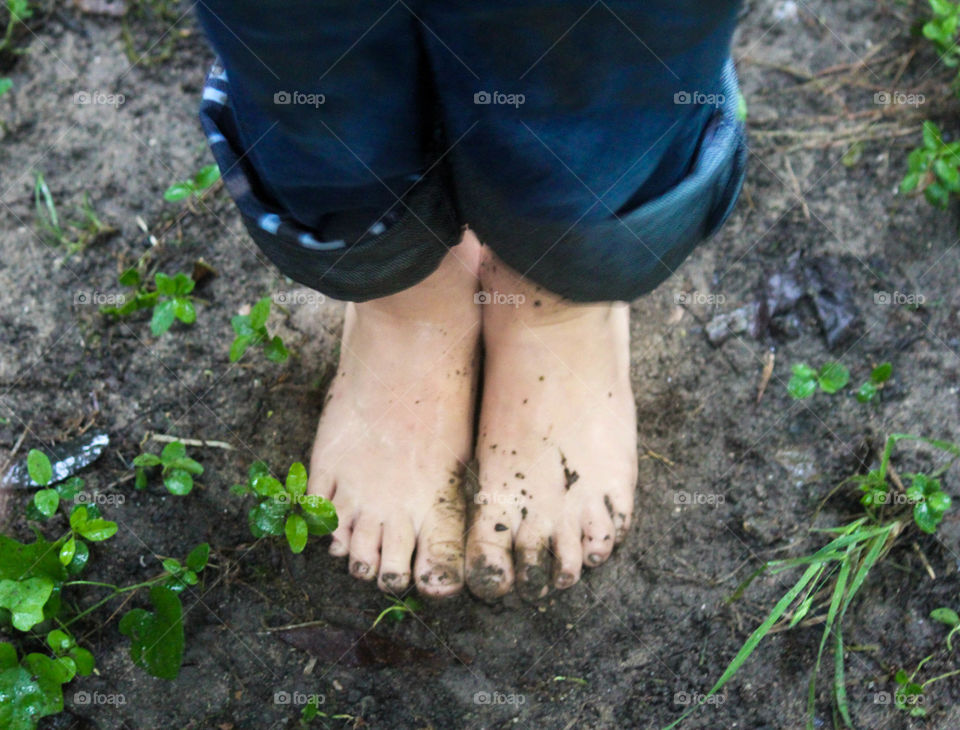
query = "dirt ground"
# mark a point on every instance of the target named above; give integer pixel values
(616, 650)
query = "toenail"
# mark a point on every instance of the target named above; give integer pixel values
(564, 580)
(361, 568)
(595, 558)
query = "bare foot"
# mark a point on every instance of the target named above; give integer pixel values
(557, 448)
(397, 428)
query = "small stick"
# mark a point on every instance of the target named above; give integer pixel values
(926, 563)
(766, 374)
(895, 478)
(655, 455)
(189, 442)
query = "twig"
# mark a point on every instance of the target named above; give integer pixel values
(926, 563)
(188, 442)
(766, 374)
(653, 454)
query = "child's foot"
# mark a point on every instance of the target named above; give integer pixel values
(397, 427)
(557, 445)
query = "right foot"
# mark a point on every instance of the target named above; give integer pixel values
(396, 430)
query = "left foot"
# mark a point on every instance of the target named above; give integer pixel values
(557, 448)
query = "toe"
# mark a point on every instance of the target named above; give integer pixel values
(319, 481)
(489, 561)
(365, 547)
(532, 561)
(346, 516)
(567, 554)
(620, 508)
(598, 534)
(439, 561)
(399, 540)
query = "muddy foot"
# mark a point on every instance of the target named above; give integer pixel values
(397, 428)
(557, 446)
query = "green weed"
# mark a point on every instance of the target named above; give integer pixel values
(286, 509)
(170, 299)
(177, 469)
(251, 330)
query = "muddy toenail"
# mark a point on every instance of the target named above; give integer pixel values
(564, 580)
(595, 559)
(360, 568)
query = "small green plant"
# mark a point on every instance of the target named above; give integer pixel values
(34, 577)
(72, 235)
(941, 30)
(18, 11)
(177, 471)
(834, 574)
(949, 617)
(398, 609)
(194, 187)
(831, 377)
(170, 299)
(933, 168)
(910, 694)
(867, 393)
(251, 330)
(286, 509)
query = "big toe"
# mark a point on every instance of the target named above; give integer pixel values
(489, 564)
(439, 562)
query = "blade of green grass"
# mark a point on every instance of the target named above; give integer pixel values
(838, 590)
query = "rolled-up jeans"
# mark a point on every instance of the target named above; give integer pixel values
(591, 146)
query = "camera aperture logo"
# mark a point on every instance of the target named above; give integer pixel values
(498, 98)
(299, 98)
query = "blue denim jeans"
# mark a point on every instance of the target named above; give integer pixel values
(592, 146)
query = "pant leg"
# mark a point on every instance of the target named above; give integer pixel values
(322, 123)
(600, 142)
